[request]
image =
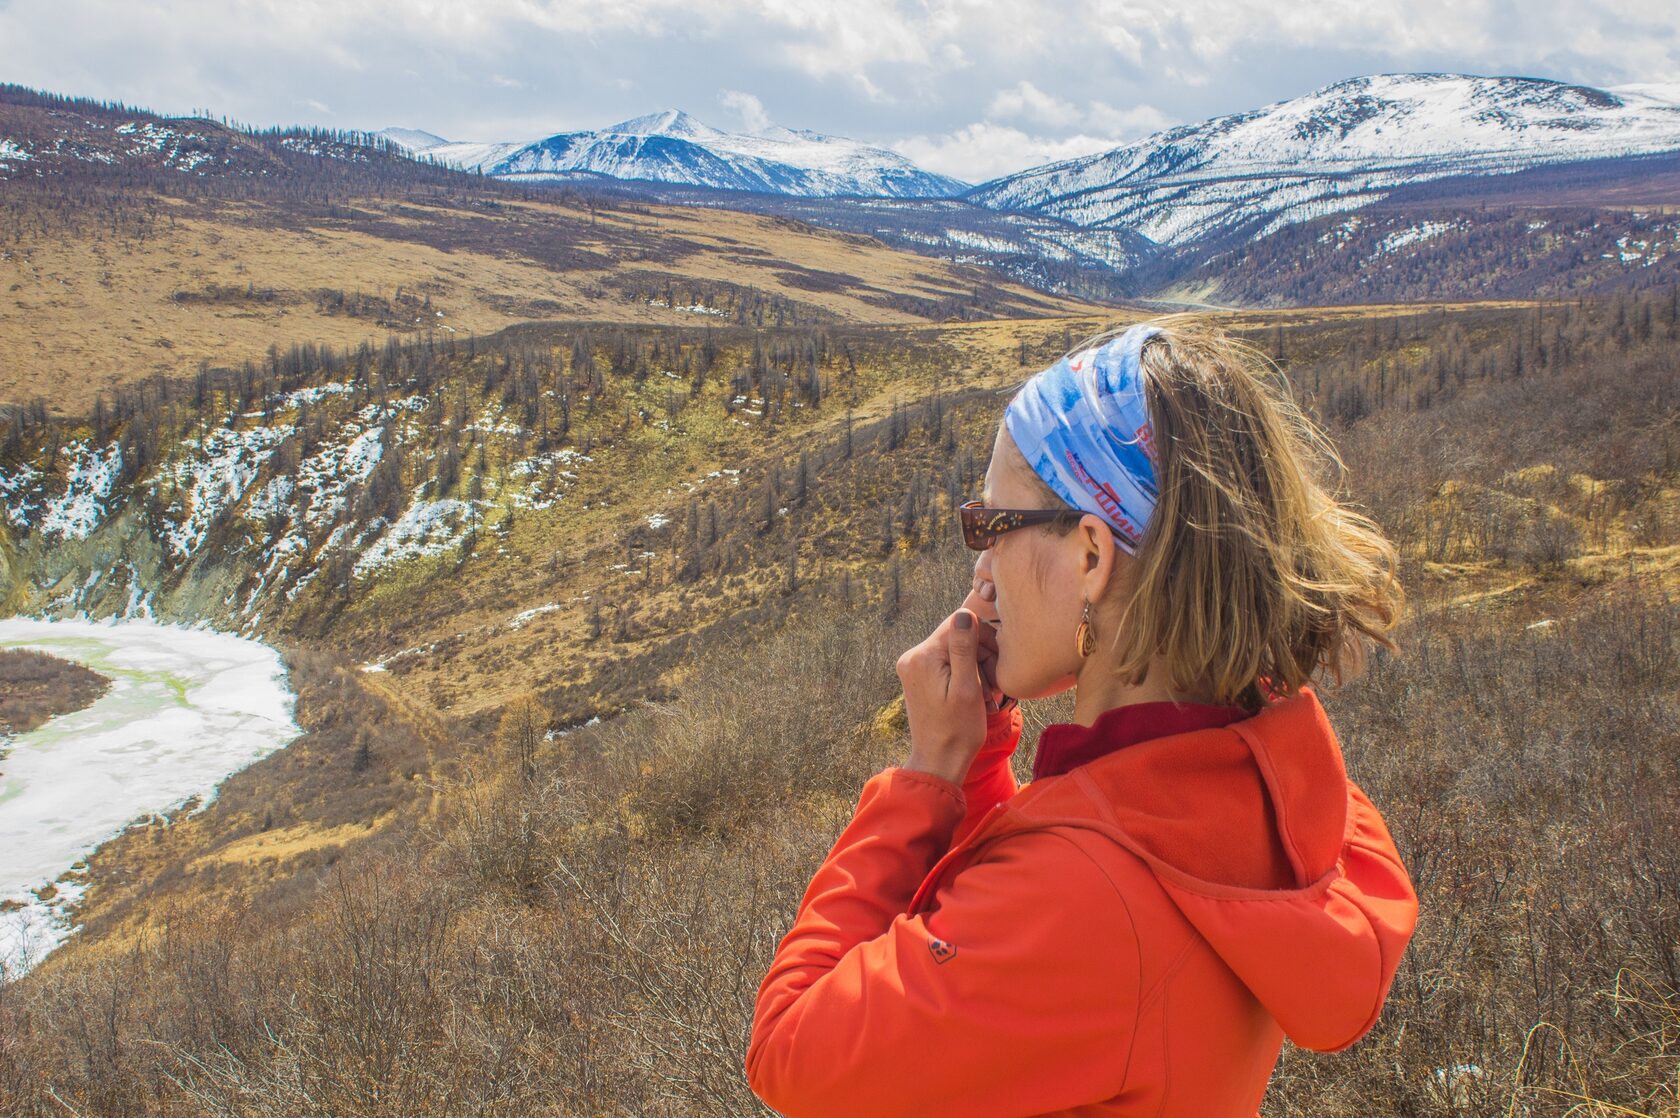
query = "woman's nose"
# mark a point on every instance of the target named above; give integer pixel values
(983, 577)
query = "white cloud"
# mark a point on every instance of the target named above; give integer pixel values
(1029, 101)
(1132, 123)
(846, 39)
(1025, 101)
(992, 147)
(985, 150)
(1190, 40)
(984, 86)
(750, 108)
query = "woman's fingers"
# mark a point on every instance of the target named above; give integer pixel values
(963, 652)
(986, 639)
(945, 695)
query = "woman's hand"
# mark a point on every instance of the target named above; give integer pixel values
(945, 698)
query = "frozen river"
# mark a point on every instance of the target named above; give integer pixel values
(186, 708)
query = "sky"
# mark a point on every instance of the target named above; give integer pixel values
(969, 88)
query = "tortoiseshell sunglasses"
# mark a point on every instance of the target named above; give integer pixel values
(982, 526)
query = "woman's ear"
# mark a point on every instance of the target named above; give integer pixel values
(1098, 556)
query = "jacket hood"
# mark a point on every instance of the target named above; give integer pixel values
(1272, 854)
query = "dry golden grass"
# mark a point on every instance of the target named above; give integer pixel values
(80, 315)
(285, 844)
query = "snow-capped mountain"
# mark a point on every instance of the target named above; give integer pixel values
(412, 139)
(1340, 148)
(1657, 91)
(673, 147)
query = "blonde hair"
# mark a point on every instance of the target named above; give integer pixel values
(1250, 576)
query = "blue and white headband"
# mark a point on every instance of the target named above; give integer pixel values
(1083, 425)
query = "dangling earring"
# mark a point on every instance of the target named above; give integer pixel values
(1083, 639)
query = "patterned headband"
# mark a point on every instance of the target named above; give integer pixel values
(1083, 426)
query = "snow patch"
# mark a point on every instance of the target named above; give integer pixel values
(215, 479)
(329, 473)
(520, 620)
(16, 489)
(311, 395)
(697, 308)
(1424, 231)
(88, 484)
(549, 480)
(273, 500)
(425, 528)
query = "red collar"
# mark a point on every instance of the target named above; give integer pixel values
(1064, 745)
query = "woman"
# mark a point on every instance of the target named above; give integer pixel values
(1190, 876)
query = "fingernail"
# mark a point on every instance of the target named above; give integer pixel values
(964, 620)
(989, 592)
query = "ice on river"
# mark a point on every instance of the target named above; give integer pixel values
(186, 708)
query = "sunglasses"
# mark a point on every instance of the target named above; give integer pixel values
(982, 526)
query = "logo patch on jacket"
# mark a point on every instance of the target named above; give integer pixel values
(942, 952)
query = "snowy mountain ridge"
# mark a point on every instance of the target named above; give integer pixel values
(1339, 148)
(674, 147)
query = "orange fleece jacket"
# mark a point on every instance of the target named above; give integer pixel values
(1133, 937)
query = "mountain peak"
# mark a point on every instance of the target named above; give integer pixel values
(667, 122)
(1513, 92)
(411, 139)
(781, 132)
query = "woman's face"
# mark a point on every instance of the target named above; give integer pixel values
(1038, 578)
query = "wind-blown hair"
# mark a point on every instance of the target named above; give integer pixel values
(1251, 575)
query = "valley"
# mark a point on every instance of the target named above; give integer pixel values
(586, 529)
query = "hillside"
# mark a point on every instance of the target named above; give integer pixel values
(168, 285)
(465, 921)
(1423, 251)
(441, 508)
